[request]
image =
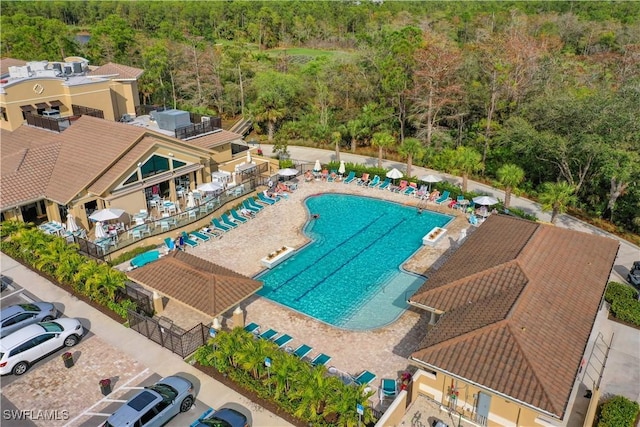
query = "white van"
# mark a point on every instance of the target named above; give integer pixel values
(52, 114)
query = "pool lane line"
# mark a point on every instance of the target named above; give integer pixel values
(348, 261)
(328, 253)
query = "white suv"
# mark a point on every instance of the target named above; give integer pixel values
(31, 343)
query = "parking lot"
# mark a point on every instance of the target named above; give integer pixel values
(49, 394)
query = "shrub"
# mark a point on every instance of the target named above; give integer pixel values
(121, 307)
(624, 302)
(618, 412)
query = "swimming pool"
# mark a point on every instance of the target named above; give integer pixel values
(349, 275)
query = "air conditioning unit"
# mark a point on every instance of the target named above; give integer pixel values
(205, 119)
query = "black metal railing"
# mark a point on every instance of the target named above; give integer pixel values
(80, 110)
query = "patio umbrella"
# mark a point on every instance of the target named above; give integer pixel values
(288, 172)
(100, 234)
(106, 214)
(394, 174)
(342, 169)
(191, 201)
(430, 178)
(317, 167)
(72, 227)
(210, 187)
(485, 200)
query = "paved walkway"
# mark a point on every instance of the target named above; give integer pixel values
(135, 346)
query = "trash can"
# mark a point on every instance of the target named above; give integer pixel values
(105, 386)
(67, 358)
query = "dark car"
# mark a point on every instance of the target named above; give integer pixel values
(18, 316)
(634, 274)
(225, 417)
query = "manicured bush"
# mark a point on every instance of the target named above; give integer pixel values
(618, 412)
(624, 302)
(294, 385)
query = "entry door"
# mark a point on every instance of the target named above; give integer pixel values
(482, 411)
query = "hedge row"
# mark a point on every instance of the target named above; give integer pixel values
(624, 302)
(618, 412)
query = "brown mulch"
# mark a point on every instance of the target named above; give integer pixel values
(267, 404)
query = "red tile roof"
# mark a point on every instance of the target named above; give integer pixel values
(5, 63)
(198, 283)
(122, 71)
(520, 300)
(215, 139)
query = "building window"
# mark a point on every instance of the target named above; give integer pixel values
(155, 165)
(133, 178)
(178, 164)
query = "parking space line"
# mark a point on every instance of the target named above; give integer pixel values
(98, 414)
(114, 400)
(12, 294)
(87, 411)
(131, 388)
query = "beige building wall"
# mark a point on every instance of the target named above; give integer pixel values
(502, 411)
(131, 203)
(124, 97)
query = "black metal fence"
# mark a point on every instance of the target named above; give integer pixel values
(164, 332)
(88, 248)
(142, 297)
(195, 129)
(42, 122)
(79, 110)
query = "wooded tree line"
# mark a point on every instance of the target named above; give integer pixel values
(546, 90)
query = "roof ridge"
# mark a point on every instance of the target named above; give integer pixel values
(202, 273)
(532, 366)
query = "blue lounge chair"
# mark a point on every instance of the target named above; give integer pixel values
(375, 181)
(252, 327)
(237, 216)
(217, 224)
(363, 180)
(187, 241)
(227, 221)
(145, 258)
(251, 201)
(170, 244)
(350, 178)
(332, 176)
(283, 340)
(444, 198)
(409, 190)
(265, 199)
(199, 236)
(385, 185)
(269, 334)
(302, 351)
(364, 378)
(321, 359)
(248, 206)
(388, 388)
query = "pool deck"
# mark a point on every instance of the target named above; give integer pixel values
(383, 351)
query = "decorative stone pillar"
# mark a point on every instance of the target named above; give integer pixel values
(238, 317)
(158, 307)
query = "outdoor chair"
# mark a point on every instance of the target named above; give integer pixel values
(364, 378)
(388, 388)
(350, 178)
(269, 334)
(321, 359)
(302, 351)
(283, 340)
(252, 327)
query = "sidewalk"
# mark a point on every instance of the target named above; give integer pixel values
(148, 353)
(626, 254)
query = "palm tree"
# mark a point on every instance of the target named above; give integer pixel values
(284, 370)
(510, 176)
(230, 344)
(411, 148)
(8, 228)
(53, 251)
(382, 140)
(315, 388)
(336, 137)
(252, 355)
(67, 267)
(466, 161)
(344, 403)
(557, 197)
(31, 242)
(110, 281)
(86, 272)
(354, 128)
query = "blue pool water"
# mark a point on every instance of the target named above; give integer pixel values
(349, 276)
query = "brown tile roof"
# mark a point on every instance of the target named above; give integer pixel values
(215, 139)
(198, 283)
(90, 146)
(25, 174)
(123, 71)
(25, 137)
(5, 63)
(520, 300)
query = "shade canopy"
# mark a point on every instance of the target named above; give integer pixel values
(210, 187)
(317, 167)
(288, 172)
(394, 174)
(485, 200)
(342, 169)
(106, 214)
(430, 178)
